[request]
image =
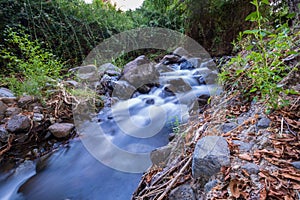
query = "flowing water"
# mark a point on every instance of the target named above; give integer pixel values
(137, 125)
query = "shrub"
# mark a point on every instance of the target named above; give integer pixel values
(29, 68)
(258, 69)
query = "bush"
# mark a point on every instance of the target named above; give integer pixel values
(258, 69)
(29, 68)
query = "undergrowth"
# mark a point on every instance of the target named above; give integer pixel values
(257, 70)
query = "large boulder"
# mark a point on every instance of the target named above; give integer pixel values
(61, 130)
(211, 153)
(140, 72)
(123, 90)
(18, 124)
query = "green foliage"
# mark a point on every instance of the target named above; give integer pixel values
(30, 67)
(257, 71)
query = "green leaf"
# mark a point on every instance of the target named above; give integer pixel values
(254, 31)
(265, 2)
(248, 48)
(253, 90)
(252, 16)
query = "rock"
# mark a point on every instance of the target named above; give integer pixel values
(88, 72)
(170, 59)
(3, 108)
(183, 192)
(251, 168)
(123, 90)
(144, 89)
(25, 101)
(140, 74)
(161, 68)
(109, 69)
(37, 117)
(210, 64)
(196, 62)
(263, 123)
(228, 127)
(186, 65)
(61, 130)
(181, 52)
(296, 164)
(243, 146)
(141, 60)
(4, 92)
(72, 83)
(3, 134)
(108, 82)
(159, 156)
(12, 111)
(8, 100)
(210, 185)
(177, 85)
(18, 124)
(210, 154)
(37, 109)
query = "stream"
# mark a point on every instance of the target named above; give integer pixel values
(107, 160)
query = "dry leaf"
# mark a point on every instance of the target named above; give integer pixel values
(245, 156)
(234, 188)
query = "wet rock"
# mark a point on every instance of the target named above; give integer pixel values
(88, 72)
(4, 92)
(170, 59)
(183, 192)
(263, 123)
(18, 124)
(8, 100)
(108, 82)
(3, 134)
(123, 90)
(177, 85)
(25, 101)
(181, 52)
(160, 155)
(196, 62)
(37, 117)
(228, 127)
(186, 65)
(139, 61)
(12, 111)
(243, 146)
(210, 185)
(296, 164)
(150, 101)
(61, 130)
(210, 64)
(144, 89)
(251, 168)
(109, 69)
(37, 109)
(210, 154)
(3, 108)
(140, 74)
(161, 68)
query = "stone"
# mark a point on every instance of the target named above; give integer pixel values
(141, 60)
(72, 83)
(210, 64)
(123, 90)
(140, 74)
(170, 59)
(109, 69)
(159, 156)
(144, 89)
(37, 117)
(210, 185)
(177, 85)
(196, 62)
(108, 82)
(61, 130)
(226, 127)
(182, 192)
(4, 92)
(3, 134)
(296, 164)
(3, 108)
(88, 72)
(180, 51)
(18, 124)
(25, 101)
(251, 168)
(8, 100)
(161, 68)
(263, 123)
(186, 65)
(210, 154)
(12, 111)
(243, 146)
